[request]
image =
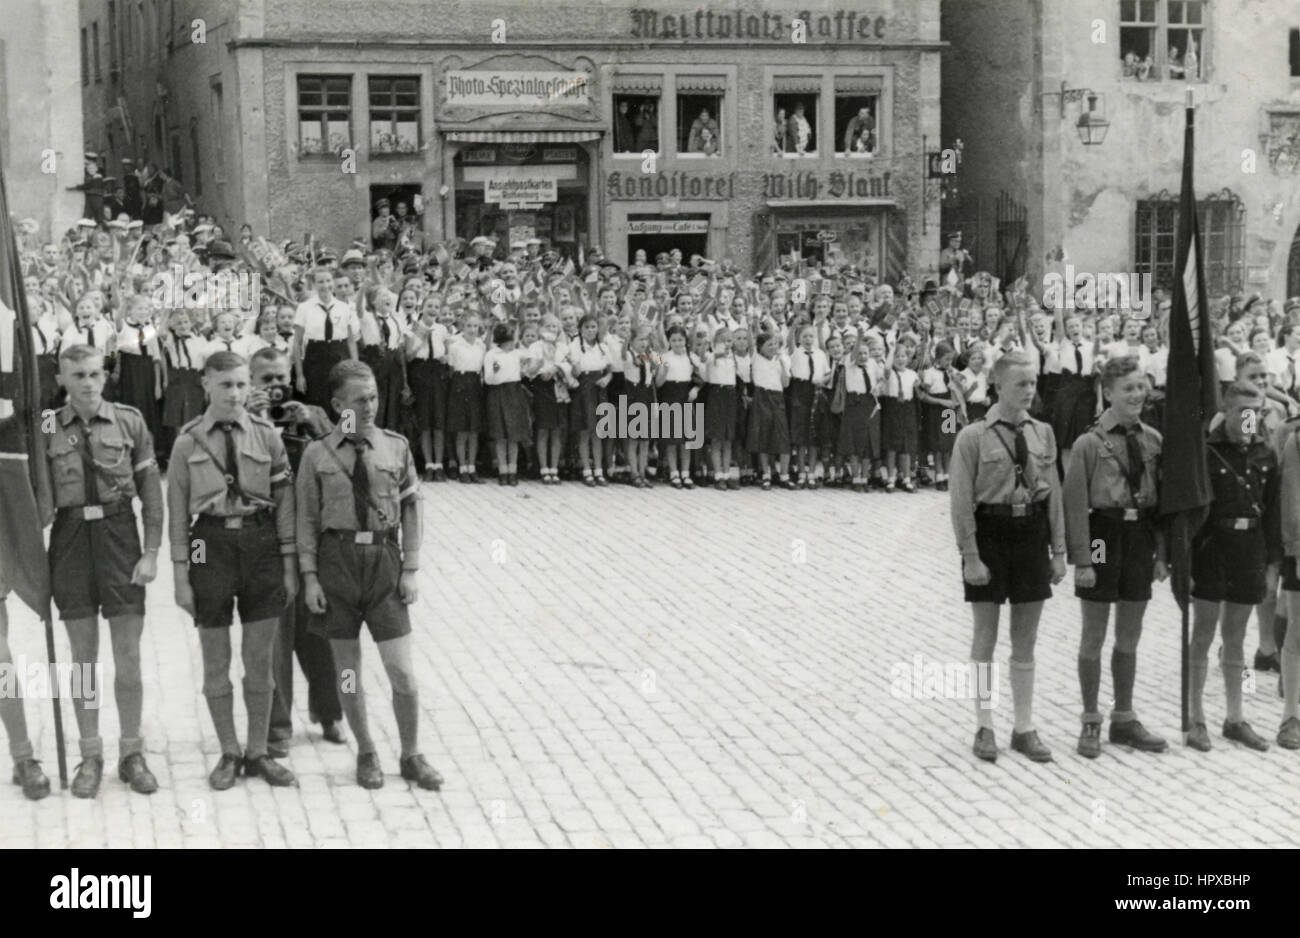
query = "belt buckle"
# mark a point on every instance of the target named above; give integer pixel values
(233, 522)
(92, 512)
(1019, 511)
(1130, 514)
(1241, 524)
(364, 537)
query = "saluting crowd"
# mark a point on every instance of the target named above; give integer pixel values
(295, 428)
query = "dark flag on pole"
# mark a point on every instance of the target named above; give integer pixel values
(25, 502)
(1191, 396)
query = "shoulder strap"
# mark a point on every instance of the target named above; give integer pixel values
(1240, 481)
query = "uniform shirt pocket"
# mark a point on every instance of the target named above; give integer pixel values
(335, 494)
(255, 473)
(207, 481)
(66, 470)
(386, 480)
(113, 451)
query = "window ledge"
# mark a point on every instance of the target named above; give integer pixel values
(857, 156)
(699, 156)
(637, 155)
(800, 156)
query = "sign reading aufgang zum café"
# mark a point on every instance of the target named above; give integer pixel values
(840, 26)
(519, 189)
(478, 88)
(668, 226)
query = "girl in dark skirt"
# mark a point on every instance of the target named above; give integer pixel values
(139, 360)
(899, 420)
(638, 383)
(45, 336)
(673, 381)
(769, 434)
(828, 441)
(592, 368)
(1074, 403)
(974, 384)
(545, 364)
(877, 370)
(465, 353)
(381, 348)
(937, 392)
(854, 441)
(618, 332)
(183, 398)
(720, 409)
(807, 374)
(508, 414)
(426, 372)
(741, 457)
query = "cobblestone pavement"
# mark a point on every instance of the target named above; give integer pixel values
(619, 668)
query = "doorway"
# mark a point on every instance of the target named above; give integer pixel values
(1293, 267)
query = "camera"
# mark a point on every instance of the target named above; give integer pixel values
(276, 397)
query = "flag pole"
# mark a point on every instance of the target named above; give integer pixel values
(57, 702)
(1181, 524)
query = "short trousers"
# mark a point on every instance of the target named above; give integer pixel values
(91, 563)
(1228, 566)
(241, 566)
(1290, 575)
(361, 585)
(1129, 566)
(1017, 552)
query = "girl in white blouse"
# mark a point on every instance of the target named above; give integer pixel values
(673, 380)
(465, 354)
(769, 431)
(508, 418)
(591, 366)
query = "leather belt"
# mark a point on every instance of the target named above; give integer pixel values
(1022, 510)
(365, 537)
(97, 512)
(1237, 524)
(237, 522)
(1125, 514)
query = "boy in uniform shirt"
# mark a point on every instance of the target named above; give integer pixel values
(101, 457)
(1007, 515)
(1110, 494)
(1230, 553)
(359, 549)
(229, 468)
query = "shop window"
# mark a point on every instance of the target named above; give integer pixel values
(1162, 39)
(394, 115)
(324, 114)
(1222, 240)
(1294, 52)
(85, 62)
(94, 45)
(636, 123)
(795, 124)
(857, 114)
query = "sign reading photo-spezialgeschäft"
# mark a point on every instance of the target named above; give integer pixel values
(478, 88)
(519, 189)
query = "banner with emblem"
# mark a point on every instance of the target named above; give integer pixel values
(25, 500)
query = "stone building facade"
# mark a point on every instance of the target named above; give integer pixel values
(578, 125)
(1112, 207)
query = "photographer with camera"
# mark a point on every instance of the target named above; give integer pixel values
(298, 423)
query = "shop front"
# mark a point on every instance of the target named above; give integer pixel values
(520, 140)
(845, 219)
(513, 192)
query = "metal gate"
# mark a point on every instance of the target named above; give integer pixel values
(994, 231)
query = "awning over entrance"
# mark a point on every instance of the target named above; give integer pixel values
(522, 136)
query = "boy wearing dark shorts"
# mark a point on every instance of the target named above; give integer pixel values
(1110, 494)
(101, 457)
(359, 549)
(1241, 535)
(1007, 516)
(229, 473)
